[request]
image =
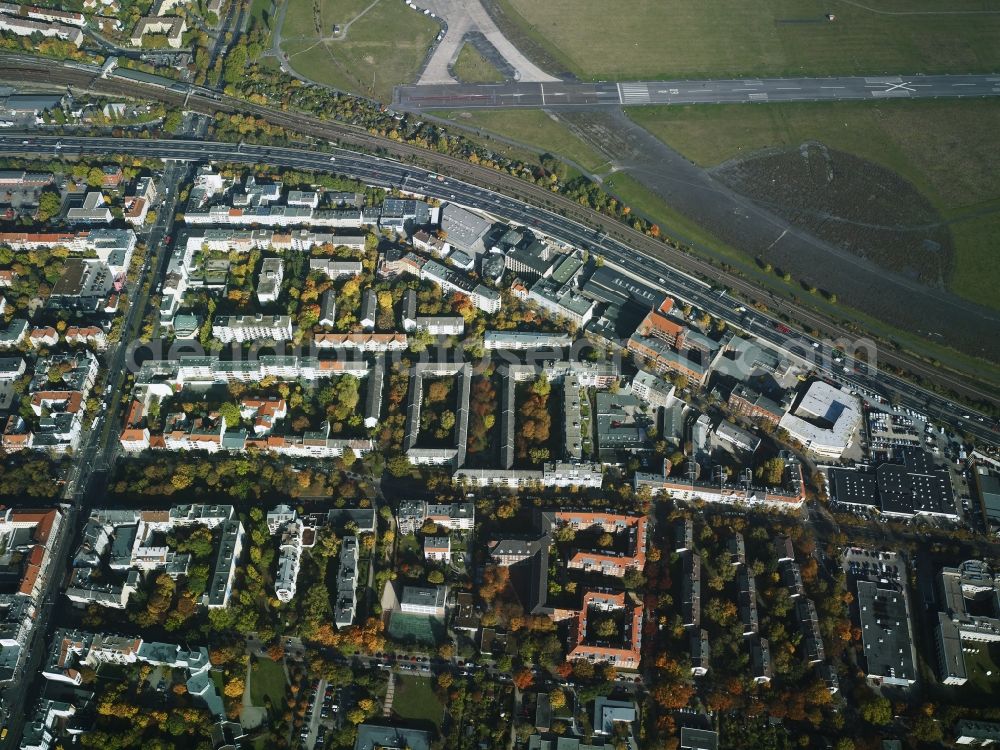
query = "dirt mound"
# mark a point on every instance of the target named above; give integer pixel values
(850, 202)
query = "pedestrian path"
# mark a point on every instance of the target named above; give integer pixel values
(390, 693)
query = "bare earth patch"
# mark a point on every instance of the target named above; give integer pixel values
(851, 203)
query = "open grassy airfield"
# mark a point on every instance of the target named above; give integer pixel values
(384, 44)
(652, 39)
(946, 150)
(472, 67)
(532, 127)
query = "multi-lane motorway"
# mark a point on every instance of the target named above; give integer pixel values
(196, 99)
(725, 91)
(393, 174)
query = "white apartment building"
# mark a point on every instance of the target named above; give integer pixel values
(652, 389)
(272, 274)
(347, 581)
(289, 559)
(242, 328)
(437, 549)
(424, 600)
(443, 325)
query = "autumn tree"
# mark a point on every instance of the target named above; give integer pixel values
(876, 710)
(523, 679)
(496, 578)
(234, 688)
(606, 628)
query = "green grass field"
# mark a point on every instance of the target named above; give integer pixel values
(382, 48)
(415, 699)
(679, 39)
(303, 16)
(947, 149)
(645, 202)
(534, 128)
(471, 67)
(267, 678)
(261, 12)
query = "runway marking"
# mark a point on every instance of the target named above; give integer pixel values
(833, 87)
(788, 88)
(699, 91)
(621, 99)
(634, 93)
(963, 84)
(541, 87)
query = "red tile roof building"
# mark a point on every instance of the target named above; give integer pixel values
(663, 328)
(587, 645)
(41, 524)
(608, 562)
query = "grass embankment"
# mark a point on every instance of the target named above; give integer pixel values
(531, 127)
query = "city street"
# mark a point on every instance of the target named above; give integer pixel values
(95, 455)
(634, 267)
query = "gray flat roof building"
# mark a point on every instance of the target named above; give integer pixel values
(737, 436)
(573, 439)
(374, 393)
(608, 285)
(885, 631)
(424, 600)
(465, 230)
(988, 488)
(230, 547)
(699, 739)
(372, 737)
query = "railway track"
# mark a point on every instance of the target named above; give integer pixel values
(349, 135)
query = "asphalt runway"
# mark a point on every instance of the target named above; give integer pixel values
(732, 91)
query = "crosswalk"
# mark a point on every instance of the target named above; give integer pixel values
(633, 93)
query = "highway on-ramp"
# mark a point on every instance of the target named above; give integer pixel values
(629, 262)
(719, 91)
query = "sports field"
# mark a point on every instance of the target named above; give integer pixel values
(380, 44)
(947, 150)
(681, 39)
(471, 67)
(415, 700)
(531, 127)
